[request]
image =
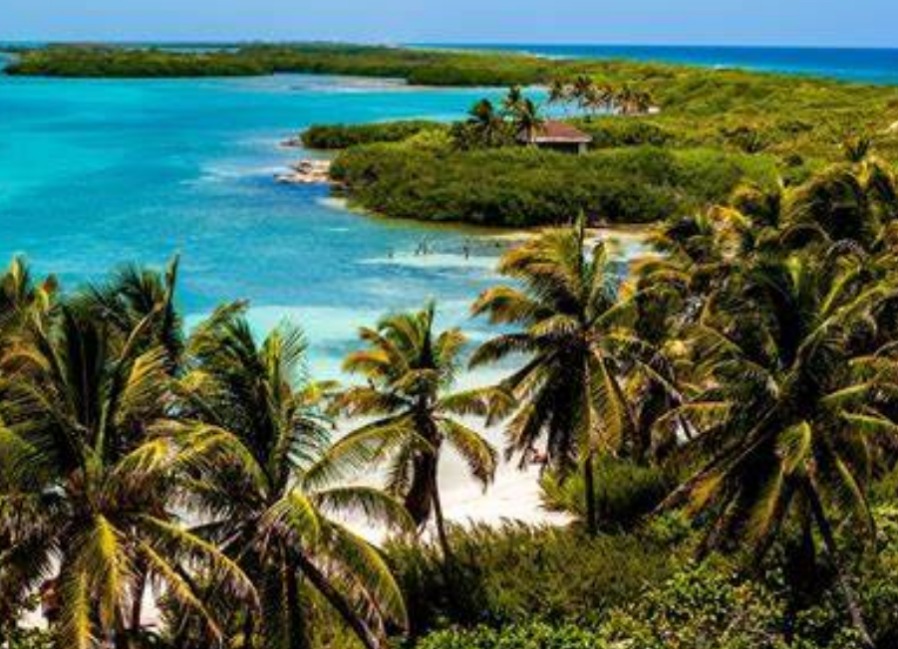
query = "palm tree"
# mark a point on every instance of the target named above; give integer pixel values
(131, 295)
(792, 388)
(598, 98)
(89, 483)
(512, 100)
(582, 88)
(527, 120)
(632, 101)
(559, 92)
(487, 123)
(268, 489)
(21, 299)
(409, 369)
(568, 310)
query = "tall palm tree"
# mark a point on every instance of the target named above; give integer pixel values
(527, 119)
(512, 100)
(131, 295)
(558, 93)
(268, 490)
(582, 89)
(792, 383)
(487, 123)
(89, 484)
(598, 98)
(854, 200)
(410, 369)
(21, 299)
(632, 101)
(568, 310)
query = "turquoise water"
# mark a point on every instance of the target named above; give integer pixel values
(94, 173)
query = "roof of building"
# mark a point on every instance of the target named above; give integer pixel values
(552, 132)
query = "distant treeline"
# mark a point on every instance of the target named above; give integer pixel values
(415, 66)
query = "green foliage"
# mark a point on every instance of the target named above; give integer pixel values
(341, 136)
(527, 186)
(414, 65)
(30, 639)
(702, 606)
(516, 573)
(536, 635)
(625, 492)
(615, 132)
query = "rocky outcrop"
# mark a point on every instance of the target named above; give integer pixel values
(306, 172)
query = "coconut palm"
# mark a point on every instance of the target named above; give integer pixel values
(21, 299)
(559, 92)
(598, 98)
(410, 369)
(131, 295)
(527, 119)
(89, 485)
(512, 100)
(790, 406)
(568, 309)
(581, 89)
(848, 201)
(487, 124)
(268, 491)
(632, 101)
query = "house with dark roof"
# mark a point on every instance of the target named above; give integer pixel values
(558, 136)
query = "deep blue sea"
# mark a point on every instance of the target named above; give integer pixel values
(867, 65)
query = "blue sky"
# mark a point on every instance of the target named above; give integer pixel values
(865, 23)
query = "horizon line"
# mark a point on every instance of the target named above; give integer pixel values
(464, 44)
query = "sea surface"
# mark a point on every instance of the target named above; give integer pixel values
(878, 66)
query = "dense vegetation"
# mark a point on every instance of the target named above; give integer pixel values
(646, 162)
(428, 178)
(415, 66)
(342, 136)
(721, 425)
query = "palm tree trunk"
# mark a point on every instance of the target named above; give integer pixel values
(297, 638)
(249, 629)
(438, 516)
(589, 492)
(140, 585)
(829, 541)
(333, 596)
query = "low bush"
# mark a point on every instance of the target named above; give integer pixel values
(528, 636)
(624, 491)
(341, 136)
(614, 132)
(517, 573)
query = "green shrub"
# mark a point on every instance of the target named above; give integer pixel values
(517, 573)
(701, 607)
(29, 639)
(341, 136)
(624, 491)
(529, 636)
(615, 132)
